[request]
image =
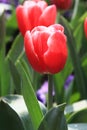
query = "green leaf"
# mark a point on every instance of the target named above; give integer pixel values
(15, 76)
(16, 49)
(79, 75)
(2, 31)
(54, 119)
(29, 96)
(4, 69)
(79, 33)
(14, 114)
(84, 63)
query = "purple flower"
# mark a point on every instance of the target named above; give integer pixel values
(41, 93)
(68, 81)
(4, 1)
(6, 5)
(11, 2)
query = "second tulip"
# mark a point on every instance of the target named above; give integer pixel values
(34, 13)
(85, 26)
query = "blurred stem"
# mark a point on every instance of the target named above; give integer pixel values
(75, 9)
(50, 90)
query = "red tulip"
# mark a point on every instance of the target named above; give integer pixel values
(46, 48)
(62, 4)
(85, 26)
(34, 13)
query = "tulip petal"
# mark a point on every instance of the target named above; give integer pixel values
(34, 15)
(57, 42)
(56, 55)
(55, 62)
(42, 4)
(56, 27)
(48, 16)
(40, 42)
(32, 56)
(40, 45)
(29, 4)
(22, 19)
(62, 4)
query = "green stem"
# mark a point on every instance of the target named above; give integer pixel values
(50, 90)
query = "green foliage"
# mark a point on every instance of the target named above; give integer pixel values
(14, 113)
(54, 119)
(29, 96)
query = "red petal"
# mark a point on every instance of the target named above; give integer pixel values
(22, 19)
(42, 4)
(57, 42)
(40, 45)
(34, 15)
(54, 61)
(38, 28)
(56, 27)
(29, 4)
(32, 56)
(40, 42)
(48, 16)
(55, 57)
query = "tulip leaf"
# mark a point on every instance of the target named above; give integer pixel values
(54, 119)
(79, 32)
(14, 114)
(84, 63)
(15, 76)
(2, 30)
(80, 78)
(16, 49)
(4, 69)
(29, 96)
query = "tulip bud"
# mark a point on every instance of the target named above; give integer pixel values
(62, 4)
(85, 26)
(34, 13)
(46, 48)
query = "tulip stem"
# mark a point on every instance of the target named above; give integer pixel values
(50, 90)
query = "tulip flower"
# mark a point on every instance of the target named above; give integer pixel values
(62, 4)
(46, 48)
(85, 26)
(34, 13)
